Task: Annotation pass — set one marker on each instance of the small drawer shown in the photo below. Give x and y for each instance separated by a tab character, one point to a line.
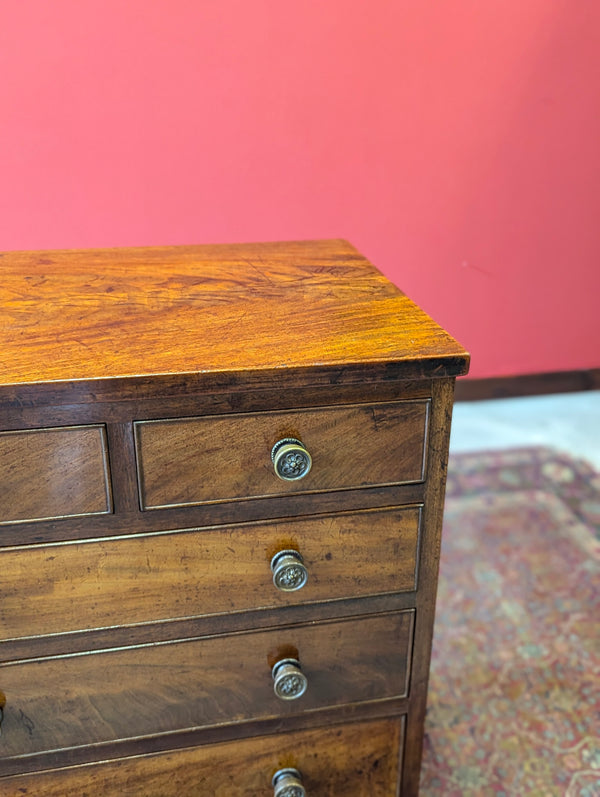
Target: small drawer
184	462
79	700
54	588
359	759
54	473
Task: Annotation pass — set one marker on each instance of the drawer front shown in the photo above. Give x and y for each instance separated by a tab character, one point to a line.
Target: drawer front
210	459
359	759
54	473
78	700
62	587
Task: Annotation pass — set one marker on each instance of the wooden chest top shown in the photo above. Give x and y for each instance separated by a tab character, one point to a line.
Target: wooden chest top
164	312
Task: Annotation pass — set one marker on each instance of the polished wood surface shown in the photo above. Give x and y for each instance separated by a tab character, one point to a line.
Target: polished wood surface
141	392
53	473
162	576
123	694
359	759
113	313
198	460
433	512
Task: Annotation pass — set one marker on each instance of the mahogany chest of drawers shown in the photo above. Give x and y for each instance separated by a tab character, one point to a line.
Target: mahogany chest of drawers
222	474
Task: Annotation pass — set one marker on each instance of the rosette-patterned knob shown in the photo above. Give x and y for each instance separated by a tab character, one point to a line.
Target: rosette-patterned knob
290	459
289	681
289	572
288	783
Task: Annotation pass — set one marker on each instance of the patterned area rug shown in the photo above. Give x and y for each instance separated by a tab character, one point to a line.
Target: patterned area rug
514	701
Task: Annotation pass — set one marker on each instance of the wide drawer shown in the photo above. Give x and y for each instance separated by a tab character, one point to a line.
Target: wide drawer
47	589
54	473
360	759
78	700
189	461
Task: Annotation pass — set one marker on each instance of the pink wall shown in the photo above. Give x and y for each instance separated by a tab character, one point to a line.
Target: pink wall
455	142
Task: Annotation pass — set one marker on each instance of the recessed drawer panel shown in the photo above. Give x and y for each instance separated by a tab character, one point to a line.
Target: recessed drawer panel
77	700
54	473
47	589
198	460
359	759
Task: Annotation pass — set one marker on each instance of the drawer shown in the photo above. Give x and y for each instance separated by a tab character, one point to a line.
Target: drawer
191	461
54	473
359	759
53	588
78	700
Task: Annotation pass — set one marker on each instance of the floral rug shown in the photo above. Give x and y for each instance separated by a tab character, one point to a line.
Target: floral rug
514	700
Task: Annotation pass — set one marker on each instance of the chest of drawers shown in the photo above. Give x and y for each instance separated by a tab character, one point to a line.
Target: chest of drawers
222	474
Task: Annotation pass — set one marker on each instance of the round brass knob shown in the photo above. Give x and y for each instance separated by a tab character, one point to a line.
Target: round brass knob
289	681
288	783
289	572
290	459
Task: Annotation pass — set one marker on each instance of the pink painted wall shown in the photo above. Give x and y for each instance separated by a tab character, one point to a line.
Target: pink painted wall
455	142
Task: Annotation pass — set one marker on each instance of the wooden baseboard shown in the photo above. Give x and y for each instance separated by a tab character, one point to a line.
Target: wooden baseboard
527	385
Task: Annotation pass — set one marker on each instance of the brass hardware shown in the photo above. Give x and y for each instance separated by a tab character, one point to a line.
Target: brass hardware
289	572
290	459
289	681
288	783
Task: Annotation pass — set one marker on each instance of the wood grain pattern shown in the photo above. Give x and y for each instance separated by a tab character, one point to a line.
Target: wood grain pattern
204	515
25	406
429	561
50	589
130	313
359	759
52	473
26	648
196	460
130	637
79	700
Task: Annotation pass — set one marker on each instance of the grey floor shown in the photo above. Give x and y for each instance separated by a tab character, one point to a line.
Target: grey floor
569	422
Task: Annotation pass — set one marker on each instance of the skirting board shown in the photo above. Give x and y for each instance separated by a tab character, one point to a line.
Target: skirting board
527	385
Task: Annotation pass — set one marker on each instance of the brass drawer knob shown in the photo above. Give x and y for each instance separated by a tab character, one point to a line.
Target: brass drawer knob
290	459
289	572
289	681
288	783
